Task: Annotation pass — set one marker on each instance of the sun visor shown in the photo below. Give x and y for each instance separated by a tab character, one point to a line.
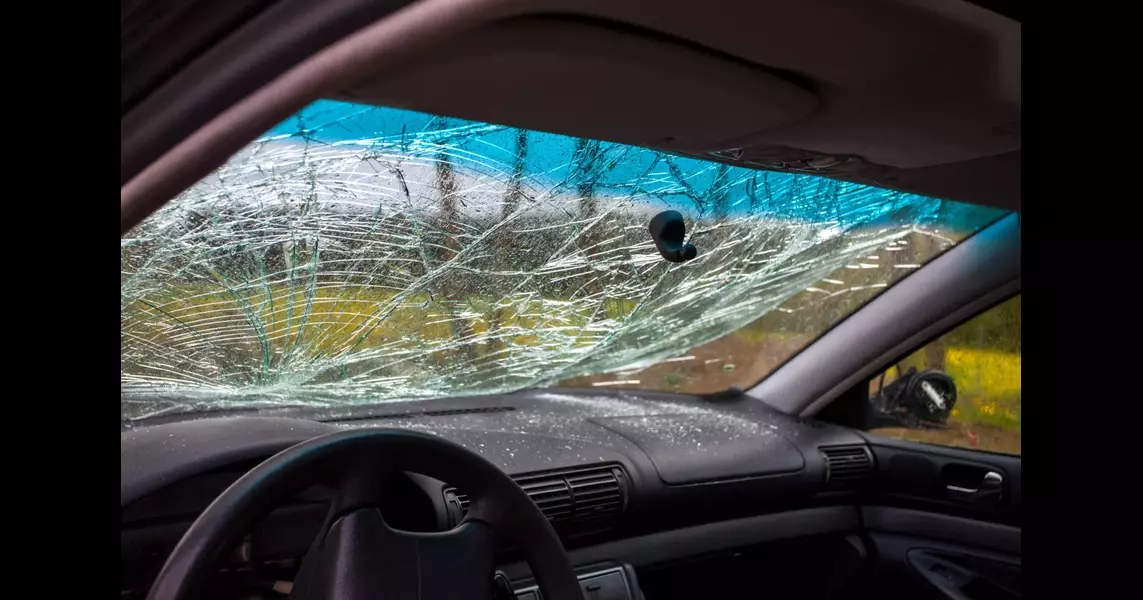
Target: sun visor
624	86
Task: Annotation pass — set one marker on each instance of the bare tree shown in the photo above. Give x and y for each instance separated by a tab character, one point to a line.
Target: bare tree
586	166
502	246
719	194
453	289
514	192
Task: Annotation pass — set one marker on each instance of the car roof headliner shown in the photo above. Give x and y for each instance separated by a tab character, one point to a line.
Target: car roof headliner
917	95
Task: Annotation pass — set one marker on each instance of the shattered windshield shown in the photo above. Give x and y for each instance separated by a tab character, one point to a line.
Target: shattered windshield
357	254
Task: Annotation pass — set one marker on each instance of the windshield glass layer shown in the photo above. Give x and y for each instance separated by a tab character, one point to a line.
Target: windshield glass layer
356	254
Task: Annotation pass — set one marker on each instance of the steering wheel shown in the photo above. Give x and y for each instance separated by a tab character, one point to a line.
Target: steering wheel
356	556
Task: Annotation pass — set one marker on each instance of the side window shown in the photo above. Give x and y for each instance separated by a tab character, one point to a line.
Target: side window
962	389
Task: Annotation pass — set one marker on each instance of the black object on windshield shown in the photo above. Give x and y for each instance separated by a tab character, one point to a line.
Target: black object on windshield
669	231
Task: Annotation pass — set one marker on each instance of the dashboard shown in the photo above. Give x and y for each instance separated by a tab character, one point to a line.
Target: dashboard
631	481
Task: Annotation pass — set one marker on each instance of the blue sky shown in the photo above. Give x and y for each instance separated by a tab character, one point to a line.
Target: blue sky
551	162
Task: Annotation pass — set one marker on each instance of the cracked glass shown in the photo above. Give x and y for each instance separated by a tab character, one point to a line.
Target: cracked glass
356	255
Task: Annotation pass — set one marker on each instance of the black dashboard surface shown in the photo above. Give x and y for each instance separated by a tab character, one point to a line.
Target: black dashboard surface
686	462
708	446
663	440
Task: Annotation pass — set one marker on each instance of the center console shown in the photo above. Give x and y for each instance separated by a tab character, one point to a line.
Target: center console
612	581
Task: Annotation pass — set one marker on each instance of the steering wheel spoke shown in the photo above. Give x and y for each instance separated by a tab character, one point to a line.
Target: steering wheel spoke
362	558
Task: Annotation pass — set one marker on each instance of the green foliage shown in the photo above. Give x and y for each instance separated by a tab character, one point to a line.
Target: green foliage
996	329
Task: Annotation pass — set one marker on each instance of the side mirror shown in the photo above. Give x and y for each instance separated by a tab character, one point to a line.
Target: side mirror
916	399
931	396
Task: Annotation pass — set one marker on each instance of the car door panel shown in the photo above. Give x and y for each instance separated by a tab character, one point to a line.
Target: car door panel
946	480
942	523
921	568
936	526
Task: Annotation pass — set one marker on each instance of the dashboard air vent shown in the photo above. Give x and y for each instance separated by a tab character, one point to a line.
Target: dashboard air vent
847	467
583	499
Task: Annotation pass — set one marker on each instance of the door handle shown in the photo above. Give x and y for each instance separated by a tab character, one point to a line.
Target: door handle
990	491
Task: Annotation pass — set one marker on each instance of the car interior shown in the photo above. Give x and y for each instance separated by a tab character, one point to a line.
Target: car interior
823	479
